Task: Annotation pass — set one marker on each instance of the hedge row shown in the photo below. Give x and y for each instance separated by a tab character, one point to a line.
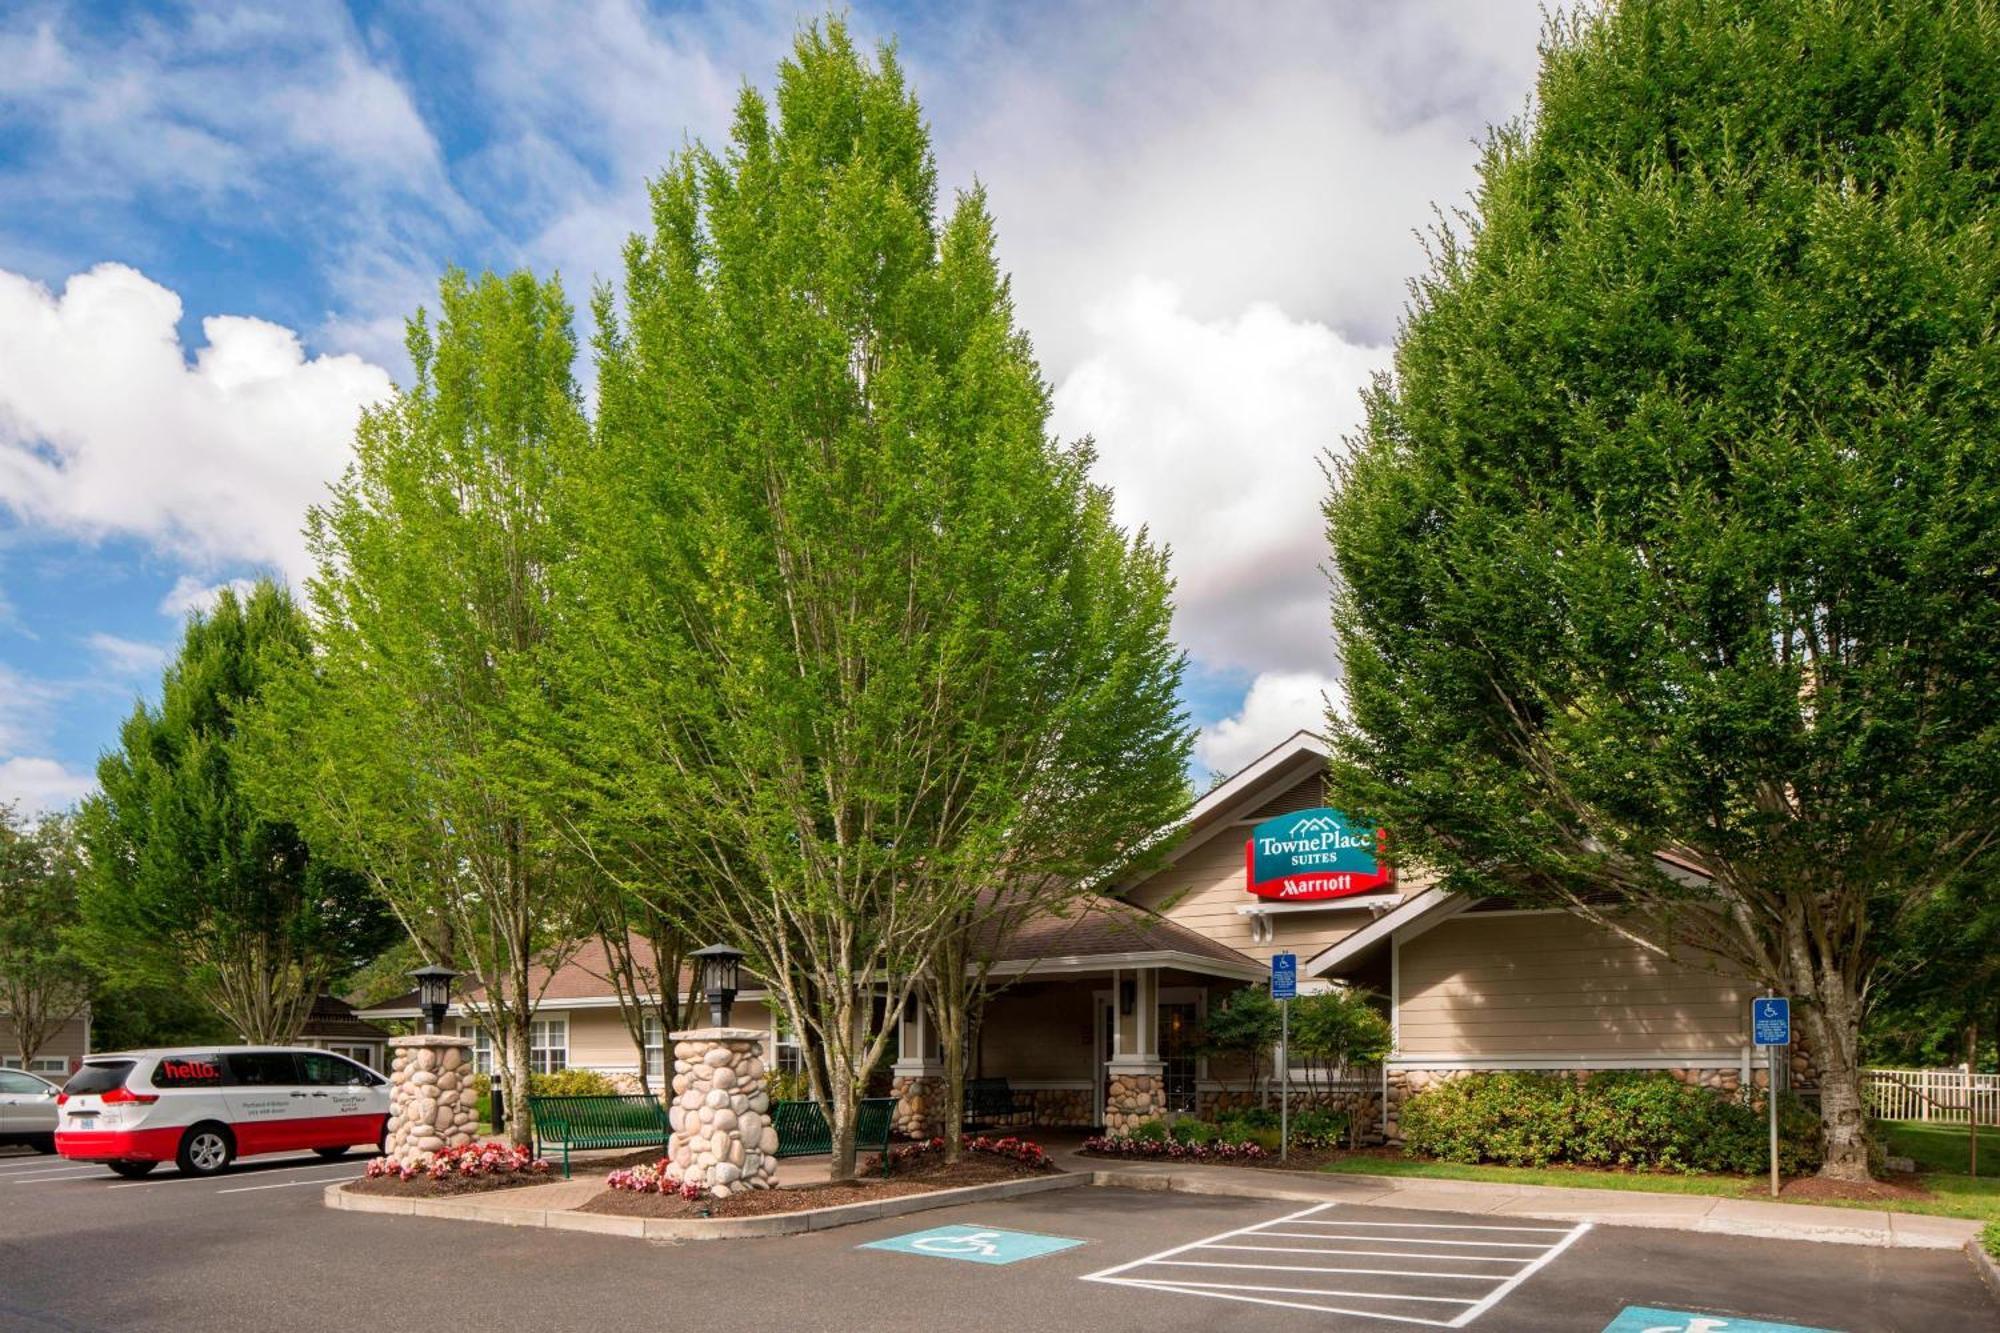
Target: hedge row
1648	1121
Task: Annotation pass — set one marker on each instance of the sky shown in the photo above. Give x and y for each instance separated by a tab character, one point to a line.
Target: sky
214	220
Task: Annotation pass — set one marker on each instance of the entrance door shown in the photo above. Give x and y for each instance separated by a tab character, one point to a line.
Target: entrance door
1178	1023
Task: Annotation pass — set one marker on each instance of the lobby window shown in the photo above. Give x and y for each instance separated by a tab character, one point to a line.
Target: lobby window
548	1045
656	1049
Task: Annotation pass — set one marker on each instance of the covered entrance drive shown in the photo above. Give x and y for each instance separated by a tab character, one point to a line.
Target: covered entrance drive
1093	1023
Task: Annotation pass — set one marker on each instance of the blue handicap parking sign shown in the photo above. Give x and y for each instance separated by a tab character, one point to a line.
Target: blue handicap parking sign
1771	1020
974	1244
1645	1319
1284	976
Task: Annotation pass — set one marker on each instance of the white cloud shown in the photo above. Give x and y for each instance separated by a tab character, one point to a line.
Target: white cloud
36	785
25	706
1210	432
192	594
1278	704
127	657
107	429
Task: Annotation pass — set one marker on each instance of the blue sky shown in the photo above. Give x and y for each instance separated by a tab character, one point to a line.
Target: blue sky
214	219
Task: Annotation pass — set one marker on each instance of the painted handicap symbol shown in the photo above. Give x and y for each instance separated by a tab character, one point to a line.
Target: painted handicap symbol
1646	1319
975	1244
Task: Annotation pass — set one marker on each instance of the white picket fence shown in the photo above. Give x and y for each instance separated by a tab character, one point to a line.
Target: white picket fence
1949	1095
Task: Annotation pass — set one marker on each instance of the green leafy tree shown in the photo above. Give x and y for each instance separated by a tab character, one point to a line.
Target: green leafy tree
399	739
43	982
191	881
1339	1029
854	638
1675	529
1243	1029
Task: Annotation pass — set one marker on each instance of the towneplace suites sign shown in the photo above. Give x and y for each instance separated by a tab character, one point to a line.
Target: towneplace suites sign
1311	855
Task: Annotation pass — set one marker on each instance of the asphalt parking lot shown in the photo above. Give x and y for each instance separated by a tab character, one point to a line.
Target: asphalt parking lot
81	1249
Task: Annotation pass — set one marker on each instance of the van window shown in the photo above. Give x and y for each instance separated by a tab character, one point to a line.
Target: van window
330	1071
188	1071
98	1077
263	1069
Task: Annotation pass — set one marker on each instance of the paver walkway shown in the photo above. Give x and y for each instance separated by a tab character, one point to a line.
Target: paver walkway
1680	1212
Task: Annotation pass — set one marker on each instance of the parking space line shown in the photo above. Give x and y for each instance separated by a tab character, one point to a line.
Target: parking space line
1382	1254
1302	1268
287	1184
58	1173
269	1169
1392	1241
1408	1240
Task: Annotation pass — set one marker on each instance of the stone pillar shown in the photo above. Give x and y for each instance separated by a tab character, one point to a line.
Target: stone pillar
432	1105
1134	1090
722	1136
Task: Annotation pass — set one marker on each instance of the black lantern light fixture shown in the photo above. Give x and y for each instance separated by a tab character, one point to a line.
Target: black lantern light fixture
716	968
434	994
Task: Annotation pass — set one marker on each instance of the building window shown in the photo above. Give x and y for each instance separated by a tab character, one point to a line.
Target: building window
41	1064
791	1056
482	1047
548	1045
656	1049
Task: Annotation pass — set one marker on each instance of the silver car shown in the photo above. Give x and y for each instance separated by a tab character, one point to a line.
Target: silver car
27	1110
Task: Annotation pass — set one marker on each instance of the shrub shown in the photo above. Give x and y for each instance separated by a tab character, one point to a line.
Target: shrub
1319	1129
1190	1130
571	1083
1256	1117
788	1085
1643	1121
1989	1236
1151	1131
1025	1151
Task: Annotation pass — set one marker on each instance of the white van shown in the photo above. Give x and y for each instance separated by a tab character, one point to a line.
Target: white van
202	1107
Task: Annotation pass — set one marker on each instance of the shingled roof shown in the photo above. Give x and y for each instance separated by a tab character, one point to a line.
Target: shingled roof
333	1018
1100	927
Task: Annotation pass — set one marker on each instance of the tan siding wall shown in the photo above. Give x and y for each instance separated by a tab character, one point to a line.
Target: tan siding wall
67	1042
598	1038
1204	889
1555	985
1040	1034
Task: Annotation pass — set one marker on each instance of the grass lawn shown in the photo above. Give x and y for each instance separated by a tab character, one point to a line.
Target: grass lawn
1933	1146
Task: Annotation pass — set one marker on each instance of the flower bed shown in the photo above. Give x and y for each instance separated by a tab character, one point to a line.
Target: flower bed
1172	1150
462	1170
1012	1149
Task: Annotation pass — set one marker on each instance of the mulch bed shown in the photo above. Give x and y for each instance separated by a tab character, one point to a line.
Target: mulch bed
1301	1159
423	1187
1896	1188
919	1177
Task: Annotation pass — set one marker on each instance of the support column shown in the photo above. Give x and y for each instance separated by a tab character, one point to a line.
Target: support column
432	1105
917	1079
1135	1077
722	1136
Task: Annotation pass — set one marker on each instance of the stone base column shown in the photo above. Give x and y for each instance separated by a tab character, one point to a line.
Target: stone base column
1134	1091
722	1137
432	1105
919	1089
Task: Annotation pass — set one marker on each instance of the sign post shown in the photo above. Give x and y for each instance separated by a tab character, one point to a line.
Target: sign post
1771	1028
1284	985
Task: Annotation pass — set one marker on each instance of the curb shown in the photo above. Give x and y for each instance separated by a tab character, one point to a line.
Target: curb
692	1228
1983	1264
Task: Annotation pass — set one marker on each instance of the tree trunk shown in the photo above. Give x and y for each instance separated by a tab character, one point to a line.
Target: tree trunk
846	1109
514	1069
1835	1023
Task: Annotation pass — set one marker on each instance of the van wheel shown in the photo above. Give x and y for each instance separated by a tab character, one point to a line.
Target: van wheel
205	1150
331	1153
131	1170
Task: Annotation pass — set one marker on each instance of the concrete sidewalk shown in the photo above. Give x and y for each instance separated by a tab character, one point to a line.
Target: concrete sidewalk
1629	1208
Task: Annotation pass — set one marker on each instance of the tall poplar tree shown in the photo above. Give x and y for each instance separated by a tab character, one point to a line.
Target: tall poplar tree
851	637
43	981
1677	527
192	881
398	738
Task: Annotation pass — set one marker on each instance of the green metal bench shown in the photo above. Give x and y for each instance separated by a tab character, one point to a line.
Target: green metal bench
990	1099
805	1130
631	1120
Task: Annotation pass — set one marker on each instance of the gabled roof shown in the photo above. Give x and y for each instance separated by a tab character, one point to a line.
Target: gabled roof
333	1017
1102	932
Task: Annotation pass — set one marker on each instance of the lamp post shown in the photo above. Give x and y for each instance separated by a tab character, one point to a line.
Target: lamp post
717	967
433	994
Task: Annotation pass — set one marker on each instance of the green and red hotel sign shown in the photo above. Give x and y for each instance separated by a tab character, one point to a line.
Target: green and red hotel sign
1313	855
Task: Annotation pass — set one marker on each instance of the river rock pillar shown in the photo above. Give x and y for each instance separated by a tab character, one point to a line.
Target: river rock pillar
723	1138
432	1103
